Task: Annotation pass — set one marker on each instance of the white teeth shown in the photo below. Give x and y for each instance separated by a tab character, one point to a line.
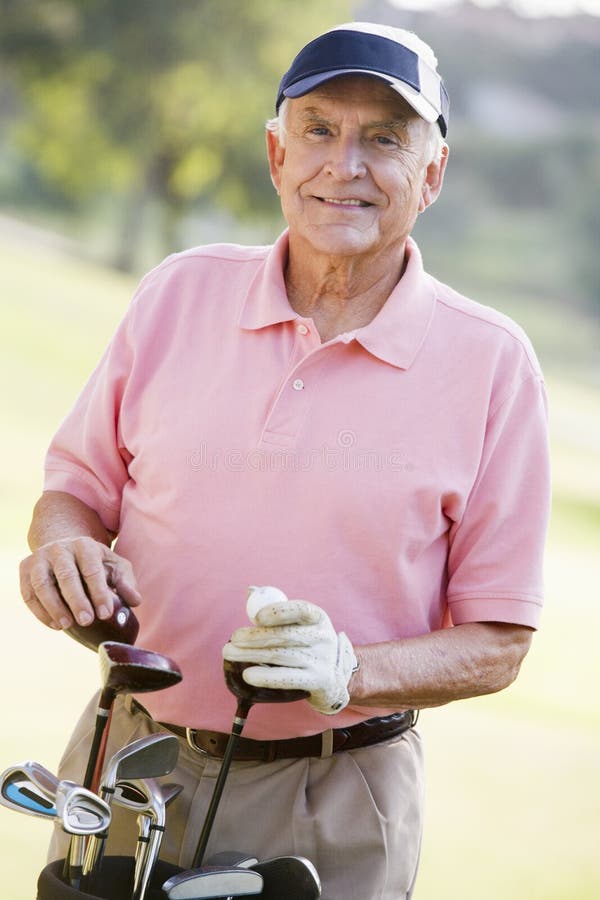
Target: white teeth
343	202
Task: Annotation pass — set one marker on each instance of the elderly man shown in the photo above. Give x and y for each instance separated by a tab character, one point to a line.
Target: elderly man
324	416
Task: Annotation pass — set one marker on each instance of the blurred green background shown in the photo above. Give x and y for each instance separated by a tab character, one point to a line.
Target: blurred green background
132	129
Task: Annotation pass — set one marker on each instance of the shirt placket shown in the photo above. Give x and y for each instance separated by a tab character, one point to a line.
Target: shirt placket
297	391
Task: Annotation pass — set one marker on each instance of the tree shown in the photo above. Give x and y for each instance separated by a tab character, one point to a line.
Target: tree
153	99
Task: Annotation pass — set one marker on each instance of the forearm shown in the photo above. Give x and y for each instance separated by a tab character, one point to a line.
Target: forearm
433	669
58	515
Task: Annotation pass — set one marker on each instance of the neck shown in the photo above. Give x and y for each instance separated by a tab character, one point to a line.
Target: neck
340	293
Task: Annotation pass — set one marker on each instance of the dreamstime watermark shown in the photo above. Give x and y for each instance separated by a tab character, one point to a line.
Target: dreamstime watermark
345	456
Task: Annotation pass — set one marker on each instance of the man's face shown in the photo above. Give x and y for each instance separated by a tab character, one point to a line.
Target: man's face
352	173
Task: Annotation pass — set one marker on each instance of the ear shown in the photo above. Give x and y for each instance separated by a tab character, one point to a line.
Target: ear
434	178
276	156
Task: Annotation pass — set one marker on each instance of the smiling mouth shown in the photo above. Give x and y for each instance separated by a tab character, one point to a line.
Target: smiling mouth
350	202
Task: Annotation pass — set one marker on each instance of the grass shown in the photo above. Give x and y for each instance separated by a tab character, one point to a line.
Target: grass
513	798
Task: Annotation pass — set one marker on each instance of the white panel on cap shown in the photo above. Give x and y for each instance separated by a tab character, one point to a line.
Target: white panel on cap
399	35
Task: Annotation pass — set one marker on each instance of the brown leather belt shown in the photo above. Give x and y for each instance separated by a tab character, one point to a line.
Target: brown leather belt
371	731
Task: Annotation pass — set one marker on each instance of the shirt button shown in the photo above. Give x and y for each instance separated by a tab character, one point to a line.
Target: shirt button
302	329
298	384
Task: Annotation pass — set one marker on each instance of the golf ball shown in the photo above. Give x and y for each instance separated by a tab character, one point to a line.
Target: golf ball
263	596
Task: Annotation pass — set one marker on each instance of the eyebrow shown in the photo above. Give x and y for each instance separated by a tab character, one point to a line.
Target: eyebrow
314	114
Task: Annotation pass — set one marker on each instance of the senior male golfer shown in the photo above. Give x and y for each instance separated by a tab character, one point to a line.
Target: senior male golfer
323	416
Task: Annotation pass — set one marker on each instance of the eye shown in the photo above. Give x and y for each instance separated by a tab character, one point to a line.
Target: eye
385	140
319	130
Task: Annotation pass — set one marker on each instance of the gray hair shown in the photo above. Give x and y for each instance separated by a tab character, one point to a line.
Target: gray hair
435	141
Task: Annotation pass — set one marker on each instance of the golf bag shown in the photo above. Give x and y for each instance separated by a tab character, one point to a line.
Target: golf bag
115	881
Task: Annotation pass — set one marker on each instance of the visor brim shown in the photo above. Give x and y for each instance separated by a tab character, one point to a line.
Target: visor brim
415	99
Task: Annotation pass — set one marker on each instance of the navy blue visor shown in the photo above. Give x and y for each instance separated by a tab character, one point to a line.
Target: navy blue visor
342	52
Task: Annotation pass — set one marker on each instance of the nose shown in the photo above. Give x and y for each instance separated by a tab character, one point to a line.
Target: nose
345	160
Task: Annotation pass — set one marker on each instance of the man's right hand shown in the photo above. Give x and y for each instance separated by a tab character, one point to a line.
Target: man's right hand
75	579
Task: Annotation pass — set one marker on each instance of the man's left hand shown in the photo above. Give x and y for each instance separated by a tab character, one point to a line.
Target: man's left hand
295	646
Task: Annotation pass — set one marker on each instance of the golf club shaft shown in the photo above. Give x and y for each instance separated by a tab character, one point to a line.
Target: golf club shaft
236	729
141	849
72	870
151	856
101	754
102	718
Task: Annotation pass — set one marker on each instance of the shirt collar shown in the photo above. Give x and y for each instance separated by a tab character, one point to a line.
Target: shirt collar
398	330
266	302
396	333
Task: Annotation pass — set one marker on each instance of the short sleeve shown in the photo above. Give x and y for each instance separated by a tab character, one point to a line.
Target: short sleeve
496	550
87	456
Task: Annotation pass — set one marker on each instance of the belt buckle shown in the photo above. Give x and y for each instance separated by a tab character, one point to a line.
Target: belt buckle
189	732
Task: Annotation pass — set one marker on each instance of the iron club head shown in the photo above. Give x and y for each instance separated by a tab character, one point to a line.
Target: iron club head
19	792
148	757
291	876
211	882
81	811
38	774
150	799
232	859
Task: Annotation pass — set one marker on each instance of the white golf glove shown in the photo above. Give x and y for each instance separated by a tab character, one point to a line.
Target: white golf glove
295	647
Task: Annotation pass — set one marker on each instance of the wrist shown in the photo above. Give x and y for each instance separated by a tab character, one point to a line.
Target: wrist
356	681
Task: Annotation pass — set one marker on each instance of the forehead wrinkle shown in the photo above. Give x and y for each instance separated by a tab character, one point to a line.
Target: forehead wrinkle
314	114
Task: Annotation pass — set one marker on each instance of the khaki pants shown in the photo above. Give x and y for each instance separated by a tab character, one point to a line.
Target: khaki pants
357	815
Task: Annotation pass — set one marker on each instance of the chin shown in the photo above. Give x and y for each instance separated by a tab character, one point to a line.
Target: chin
340	241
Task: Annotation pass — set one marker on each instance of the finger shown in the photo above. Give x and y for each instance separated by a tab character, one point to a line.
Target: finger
282	636
69	581
280	678
121	578
89	559
41	593
279	656
294	612
32	602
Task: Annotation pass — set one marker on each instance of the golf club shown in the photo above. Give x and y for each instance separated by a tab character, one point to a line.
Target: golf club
39	775
213	882
122	625
232	859
134	798
158	798
18	792
149	799
125	669
247	696
148	757
292	877
81	811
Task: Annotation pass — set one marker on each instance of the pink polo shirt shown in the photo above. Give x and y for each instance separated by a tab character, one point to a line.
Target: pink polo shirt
397	475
